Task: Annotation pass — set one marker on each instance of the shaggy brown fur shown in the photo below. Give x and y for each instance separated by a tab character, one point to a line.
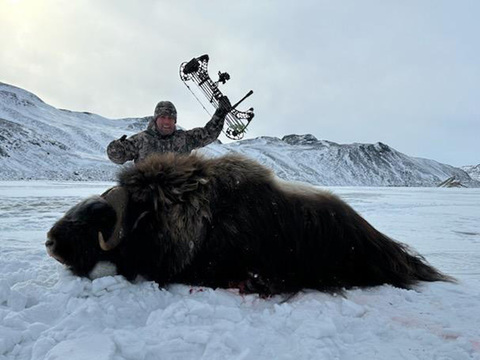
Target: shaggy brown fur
228	222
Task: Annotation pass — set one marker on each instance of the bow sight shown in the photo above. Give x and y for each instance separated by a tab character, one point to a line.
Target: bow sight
196	70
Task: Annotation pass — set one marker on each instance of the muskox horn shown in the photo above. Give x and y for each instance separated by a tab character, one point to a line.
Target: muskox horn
117	198
108	245
102	242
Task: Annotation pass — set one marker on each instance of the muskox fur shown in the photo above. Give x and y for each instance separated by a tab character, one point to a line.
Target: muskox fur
228	222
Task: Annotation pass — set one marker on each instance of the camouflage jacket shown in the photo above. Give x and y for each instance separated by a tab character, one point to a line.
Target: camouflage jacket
137	147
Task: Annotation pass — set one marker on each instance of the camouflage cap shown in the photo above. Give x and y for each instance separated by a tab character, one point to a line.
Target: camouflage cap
165	108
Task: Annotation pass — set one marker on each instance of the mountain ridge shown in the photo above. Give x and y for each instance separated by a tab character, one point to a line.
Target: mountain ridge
39	141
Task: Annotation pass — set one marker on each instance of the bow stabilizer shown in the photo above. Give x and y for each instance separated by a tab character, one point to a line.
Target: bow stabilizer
196	71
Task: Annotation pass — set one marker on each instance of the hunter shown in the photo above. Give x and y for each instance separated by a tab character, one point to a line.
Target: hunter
163	136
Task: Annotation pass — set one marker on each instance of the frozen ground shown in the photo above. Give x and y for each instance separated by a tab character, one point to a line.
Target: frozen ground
46	313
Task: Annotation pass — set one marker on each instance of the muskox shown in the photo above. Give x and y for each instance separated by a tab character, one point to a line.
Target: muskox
228	222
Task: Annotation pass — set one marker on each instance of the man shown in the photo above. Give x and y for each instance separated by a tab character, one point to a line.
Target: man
162	135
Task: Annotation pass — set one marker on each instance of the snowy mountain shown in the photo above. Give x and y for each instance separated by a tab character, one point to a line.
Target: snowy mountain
320	162
473	171
39	141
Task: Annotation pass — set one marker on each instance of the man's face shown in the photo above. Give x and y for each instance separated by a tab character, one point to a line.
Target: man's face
165	125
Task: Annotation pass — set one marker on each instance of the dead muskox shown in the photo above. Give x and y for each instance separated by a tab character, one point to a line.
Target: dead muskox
227	222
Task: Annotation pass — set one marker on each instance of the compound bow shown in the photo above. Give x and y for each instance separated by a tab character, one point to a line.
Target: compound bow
196	70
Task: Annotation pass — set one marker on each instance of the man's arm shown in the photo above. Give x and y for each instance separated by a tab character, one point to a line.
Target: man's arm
122	150
200	137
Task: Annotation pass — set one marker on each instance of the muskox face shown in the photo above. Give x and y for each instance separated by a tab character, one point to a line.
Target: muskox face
74	239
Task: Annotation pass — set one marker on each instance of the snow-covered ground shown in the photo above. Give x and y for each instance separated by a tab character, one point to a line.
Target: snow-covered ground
46	313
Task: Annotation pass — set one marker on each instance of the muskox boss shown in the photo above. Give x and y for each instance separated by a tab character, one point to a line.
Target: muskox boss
228	222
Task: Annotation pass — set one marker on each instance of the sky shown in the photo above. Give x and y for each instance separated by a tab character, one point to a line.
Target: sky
405	73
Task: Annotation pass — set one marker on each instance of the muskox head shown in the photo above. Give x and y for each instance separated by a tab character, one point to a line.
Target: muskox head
90	229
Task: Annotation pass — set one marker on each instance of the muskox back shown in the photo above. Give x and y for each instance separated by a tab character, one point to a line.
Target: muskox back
228	222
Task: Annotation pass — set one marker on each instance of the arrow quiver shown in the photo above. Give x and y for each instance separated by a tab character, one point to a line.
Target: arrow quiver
196	71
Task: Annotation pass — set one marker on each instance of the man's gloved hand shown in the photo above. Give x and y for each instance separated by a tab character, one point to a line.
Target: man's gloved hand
224	106
121	150
126	144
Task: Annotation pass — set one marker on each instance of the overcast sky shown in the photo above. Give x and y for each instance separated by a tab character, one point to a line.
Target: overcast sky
403	72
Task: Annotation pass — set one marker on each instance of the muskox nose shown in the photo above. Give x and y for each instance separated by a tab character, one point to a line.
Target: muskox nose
50	245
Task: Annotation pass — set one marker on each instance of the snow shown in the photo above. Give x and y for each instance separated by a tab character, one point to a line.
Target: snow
47	313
